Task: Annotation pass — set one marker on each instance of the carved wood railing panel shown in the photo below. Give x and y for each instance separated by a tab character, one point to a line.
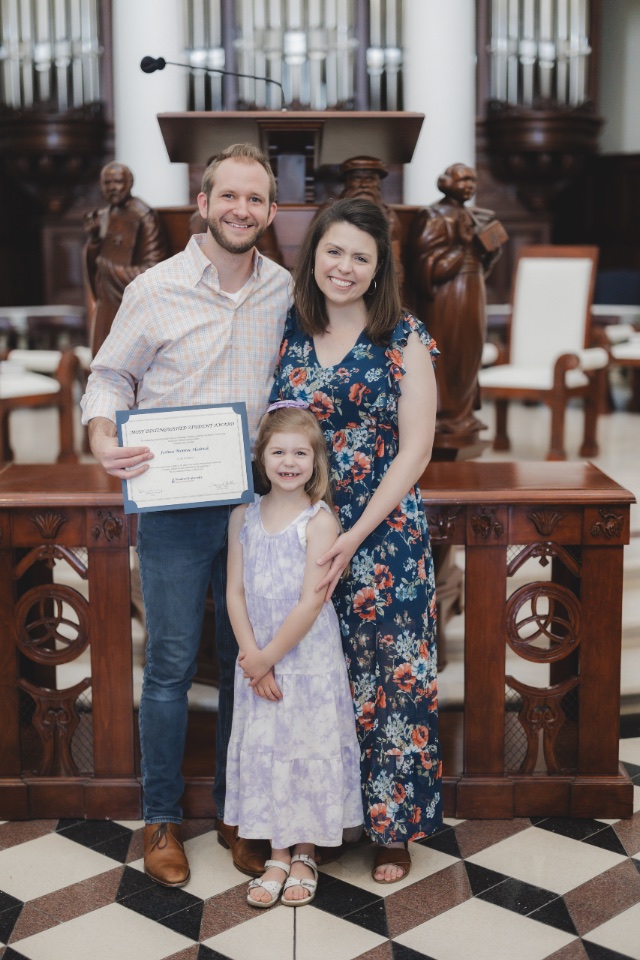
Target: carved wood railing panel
543	580
70	745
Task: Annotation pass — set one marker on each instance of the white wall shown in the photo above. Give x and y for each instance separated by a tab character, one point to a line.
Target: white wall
148	28
439	81
619	81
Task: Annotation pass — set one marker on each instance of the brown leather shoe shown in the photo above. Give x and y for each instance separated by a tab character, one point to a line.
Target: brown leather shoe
248	855
164	856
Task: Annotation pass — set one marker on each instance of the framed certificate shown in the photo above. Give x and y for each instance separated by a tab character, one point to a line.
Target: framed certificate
201	457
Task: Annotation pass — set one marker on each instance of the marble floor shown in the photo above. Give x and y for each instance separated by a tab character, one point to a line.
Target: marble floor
526	889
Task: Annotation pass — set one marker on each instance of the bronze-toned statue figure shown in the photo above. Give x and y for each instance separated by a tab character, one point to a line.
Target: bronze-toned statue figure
452	249
125	238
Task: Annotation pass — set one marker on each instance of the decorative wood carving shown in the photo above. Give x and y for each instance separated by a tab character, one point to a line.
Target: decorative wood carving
51	154
539	149
553	620
108	526
124	239
43	633
609	526
543	551
484	523
545	520
477	783
451	248
541	710
442	524
49	553
55	720
48	524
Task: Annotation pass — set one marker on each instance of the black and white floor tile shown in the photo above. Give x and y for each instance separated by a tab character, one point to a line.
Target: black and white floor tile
525	889
541	889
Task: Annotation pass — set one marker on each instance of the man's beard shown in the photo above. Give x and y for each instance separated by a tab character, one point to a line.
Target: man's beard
241	245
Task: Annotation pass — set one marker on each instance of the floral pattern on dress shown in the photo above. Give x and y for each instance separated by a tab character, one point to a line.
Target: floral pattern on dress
386	607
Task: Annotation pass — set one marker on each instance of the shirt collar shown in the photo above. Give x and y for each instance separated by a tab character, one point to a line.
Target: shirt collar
200	261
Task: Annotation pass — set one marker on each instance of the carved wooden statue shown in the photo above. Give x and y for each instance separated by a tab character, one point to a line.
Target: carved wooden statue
125	238
452	249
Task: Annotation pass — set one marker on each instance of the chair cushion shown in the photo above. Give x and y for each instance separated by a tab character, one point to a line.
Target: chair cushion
627	351
510	376
14	384
39	361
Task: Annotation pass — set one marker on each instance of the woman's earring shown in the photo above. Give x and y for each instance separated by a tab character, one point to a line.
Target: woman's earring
311	271
370	292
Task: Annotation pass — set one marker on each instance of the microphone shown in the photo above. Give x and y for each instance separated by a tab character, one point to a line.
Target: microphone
151	64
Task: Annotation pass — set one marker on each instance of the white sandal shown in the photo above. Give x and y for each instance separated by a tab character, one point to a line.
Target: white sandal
309	885
273	888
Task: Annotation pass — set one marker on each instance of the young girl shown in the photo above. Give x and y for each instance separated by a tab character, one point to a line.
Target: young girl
293	762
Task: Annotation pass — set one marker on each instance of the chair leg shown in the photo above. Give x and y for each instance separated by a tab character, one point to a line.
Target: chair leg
634	403
556	448
501	439
5	451
67	448
592	406
66	374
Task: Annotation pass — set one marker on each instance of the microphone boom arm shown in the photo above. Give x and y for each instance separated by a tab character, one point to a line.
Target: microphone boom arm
151	64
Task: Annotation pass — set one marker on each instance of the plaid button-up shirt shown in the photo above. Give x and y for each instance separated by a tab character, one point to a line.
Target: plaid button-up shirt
178	340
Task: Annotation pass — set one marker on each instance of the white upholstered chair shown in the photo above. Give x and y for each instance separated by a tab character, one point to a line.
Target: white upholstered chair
549	355
40	378
624	349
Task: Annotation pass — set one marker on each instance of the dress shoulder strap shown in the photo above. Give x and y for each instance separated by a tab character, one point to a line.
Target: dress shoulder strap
250	515
309	514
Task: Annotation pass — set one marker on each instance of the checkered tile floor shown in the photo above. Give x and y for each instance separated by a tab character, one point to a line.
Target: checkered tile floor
523	889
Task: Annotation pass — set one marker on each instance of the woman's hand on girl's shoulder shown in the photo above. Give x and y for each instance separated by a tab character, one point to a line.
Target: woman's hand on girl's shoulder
322	534
338	556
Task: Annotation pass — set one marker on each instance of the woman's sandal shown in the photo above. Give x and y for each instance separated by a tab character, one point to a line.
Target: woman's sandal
391	856
273	888
309	885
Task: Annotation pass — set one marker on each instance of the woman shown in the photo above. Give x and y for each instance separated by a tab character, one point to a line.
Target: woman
366	369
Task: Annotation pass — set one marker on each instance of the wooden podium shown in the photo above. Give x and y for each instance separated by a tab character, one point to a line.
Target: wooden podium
335	135
297	142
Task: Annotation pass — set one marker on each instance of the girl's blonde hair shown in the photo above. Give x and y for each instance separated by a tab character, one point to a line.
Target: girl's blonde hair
292	420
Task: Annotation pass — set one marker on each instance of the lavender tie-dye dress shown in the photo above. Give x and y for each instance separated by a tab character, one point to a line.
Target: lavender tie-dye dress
293	767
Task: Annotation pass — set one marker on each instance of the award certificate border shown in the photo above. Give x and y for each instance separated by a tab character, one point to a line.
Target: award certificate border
239	408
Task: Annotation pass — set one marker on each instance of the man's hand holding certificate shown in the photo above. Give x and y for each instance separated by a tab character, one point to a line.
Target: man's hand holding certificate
200	457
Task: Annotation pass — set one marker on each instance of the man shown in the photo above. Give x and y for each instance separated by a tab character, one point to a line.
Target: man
124	239
453	248
202	327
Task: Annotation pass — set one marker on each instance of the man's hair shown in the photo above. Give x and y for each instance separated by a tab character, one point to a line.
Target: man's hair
382	299
246	153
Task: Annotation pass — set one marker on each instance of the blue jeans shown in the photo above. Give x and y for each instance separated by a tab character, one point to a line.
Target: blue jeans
181	552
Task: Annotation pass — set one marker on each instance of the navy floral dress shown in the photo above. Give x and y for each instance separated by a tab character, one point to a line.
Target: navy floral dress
386	607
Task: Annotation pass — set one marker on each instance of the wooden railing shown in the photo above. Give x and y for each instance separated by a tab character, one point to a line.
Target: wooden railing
515	750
